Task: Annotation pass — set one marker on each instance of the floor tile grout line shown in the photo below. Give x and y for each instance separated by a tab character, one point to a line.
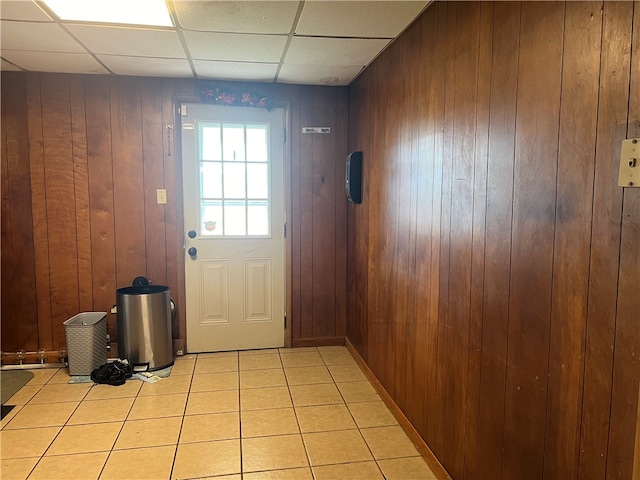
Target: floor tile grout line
348	410
240	420
240	410
119	432
126	417
295	413
356	423
61	427
184	413
54	438
66	424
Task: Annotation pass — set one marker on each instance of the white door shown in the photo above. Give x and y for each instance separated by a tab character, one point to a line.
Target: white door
233	174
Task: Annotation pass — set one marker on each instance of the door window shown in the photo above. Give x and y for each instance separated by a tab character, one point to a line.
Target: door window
234	179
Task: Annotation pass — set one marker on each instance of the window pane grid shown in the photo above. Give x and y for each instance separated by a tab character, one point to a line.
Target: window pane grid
234	179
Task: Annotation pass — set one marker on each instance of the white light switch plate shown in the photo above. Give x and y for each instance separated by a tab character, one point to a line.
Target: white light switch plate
630	163
161	193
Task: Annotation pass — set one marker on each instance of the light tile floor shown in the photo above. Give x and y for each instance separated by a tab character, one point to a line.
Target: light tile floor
279	414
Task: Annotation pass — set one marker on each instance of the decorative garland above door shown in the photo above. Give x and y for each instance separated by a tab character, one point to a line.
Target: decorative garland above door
211	92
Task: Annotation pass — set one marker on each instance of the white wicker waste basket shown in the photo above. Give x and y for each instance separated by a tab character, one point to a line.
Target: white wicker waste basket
86	342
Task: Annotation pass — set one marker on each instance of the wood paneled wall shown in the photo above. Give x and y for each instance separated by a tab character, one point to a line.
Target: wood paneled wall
82	157
319	217
494	263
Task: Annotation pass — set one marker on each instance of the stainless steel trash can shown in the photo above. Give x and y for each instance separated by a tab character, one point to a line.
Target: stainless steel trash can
144	326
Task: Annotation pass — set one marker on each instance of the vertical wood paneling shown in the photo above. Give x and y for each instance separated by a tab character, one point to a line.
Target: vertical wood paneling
305	245
340	215
395	161
173	183
626	376
61	206
519	298
413	50
323	207
449	22
434	395
128	185
294	224
626	367
19	271
605	239
357	220
39	211
461	226
90	153
424	213
100	172
504	73
532	241
8	328
81	187
375	289
578	115
401	317
153	145
481	158
387	170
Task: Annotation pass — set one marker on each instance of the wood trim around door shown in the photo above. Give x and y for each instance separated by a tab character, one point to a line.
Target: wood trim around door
288	239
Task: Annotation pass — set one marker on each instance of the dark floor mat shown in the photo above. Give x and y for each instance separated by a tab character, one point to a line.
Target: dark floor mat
6	409
11	381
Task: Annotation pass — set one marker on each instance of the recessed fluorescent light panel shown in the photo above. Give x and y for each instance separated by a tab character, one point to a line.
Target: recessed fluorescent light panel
130	12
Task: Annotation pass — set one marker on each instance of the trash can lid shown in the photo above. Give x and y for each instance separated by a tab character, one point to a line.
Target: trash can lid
142	290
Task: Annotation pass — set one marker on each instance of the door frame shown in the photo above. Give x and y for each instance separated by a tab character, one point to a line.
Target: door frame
179	343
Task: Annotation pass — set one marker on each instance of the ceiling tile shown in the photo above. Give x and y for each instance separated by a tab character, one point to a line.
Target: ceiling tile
231	40
258	72
240	16
22	10
8	67
317	74
235	47
41	37
54	62
378	19
147	66
333	51
129	41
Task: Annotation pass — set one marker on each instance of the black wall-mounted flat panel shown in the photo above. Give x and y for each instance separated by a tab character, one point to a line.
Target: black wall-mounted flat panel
353	177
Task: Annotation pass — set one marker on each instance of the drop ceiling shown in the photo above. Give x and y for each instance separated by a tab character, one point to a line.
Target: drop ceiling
303	42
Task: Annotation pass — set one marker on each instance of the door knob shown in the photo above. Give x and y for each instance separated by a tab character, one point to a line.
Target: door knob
192	234
193	251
